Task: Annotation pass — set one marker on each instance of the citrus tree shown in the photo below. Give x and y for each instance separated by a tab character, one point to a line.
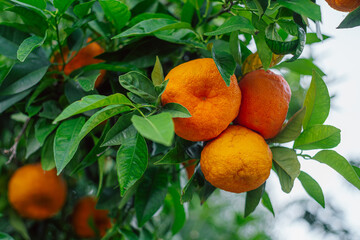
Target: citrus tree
103	103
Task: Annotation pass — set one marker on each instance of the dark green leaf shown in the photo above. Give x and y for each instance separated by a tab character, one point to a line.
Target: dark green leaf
157	75
50	110
317	102
318	137
235	47
116	11
357	170
140	85
261	5
42	86
301	44
62	5
10	40
28	45
131	162
36	3
83	9
174	156
339	164
32	144
151	194
4	71
235	23
351	20
267	203
144	16
181	36
4	236
158	128
120	131
303	7
6	102
19	225
43	128
224	62
179	211
87	80
252	199
263	50
176	110
47	154
312	188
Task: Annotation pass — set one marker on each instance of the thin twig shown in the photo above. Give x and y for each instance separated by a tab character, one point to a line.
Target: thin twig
13	148
224	10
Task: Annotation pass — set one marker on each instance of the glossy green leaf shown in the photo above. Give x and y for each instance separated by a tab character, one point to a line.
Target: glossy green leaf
151	194
302	66
267	202
91	102
339	164
301	44
43	129
179	211
28	45
47	154
121	130
253	198
24	83
131	162
157	75
181	36
261	6
235	23
318	137
140	85
87	80
65	143
351	20
6	101
313	38
312	188
174	156
150	26
83	9
62	5
303	7
224	62
263	50
317	102
235	47
10	40
116	11
158	128
286	165
292	129
176	110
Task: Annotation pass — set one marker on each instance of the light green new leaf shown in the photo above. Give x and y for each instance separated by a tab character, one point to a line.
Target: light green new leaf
131	162
28	45
318	137
157	75
312	188
267	203
235	23
91	102
253	198
158	128
339	164
62	5
116	11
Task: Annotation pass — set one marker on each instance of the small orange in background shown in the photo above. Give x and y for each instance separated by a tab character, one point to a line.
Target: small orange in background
85	56
35	193
238	160
265	102
344	5
198	86
190	167
85	213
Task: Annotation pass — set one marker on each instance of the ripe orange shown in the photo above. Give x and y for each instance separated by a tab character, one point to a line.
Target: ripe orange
85	213
83	58
238	160
344	5
35	193
198	86
265	102
190	167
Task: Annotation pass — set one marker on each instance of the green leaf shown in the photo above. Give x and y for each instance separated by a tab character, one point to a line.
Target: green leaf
91	102
317	102
24	83
47	154
144	16
286	165
62	5
151	194
312	188
318	137
4	71
158	128
351	20
176	110
302	66
313	38
303	7
267	203
50	110
292	129
235	47
263	50
116	11
157	75
235	23
10	40
42	86
179	211
6	102
140	85
174	156
65	143
87	80
43	128
83	9
224	62
301	44
181	36
36	3
120	131
357	170
4	236
32	144
150	26
28	45
339	164
252	199
18	224
131	162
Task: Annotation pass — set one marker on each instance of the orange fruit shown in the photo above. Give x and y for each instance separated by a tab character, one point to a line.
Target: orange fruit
265	102
85	213
35	193
83	58
198	86
190	167
344	5
238	160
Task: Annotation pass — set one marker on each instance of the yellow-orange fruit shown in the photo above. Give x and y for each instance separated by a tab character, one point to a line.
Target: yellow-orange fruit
344	5
239	160
265	102
85	213
35	193
198	86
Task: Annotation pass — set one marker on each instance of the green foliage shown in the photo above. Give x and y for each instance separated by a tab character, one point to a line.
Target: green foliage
117	140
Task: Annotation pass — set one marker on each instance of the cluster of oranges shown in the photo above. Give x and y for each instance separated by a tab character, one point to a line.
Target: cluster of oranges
237	157
38	194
